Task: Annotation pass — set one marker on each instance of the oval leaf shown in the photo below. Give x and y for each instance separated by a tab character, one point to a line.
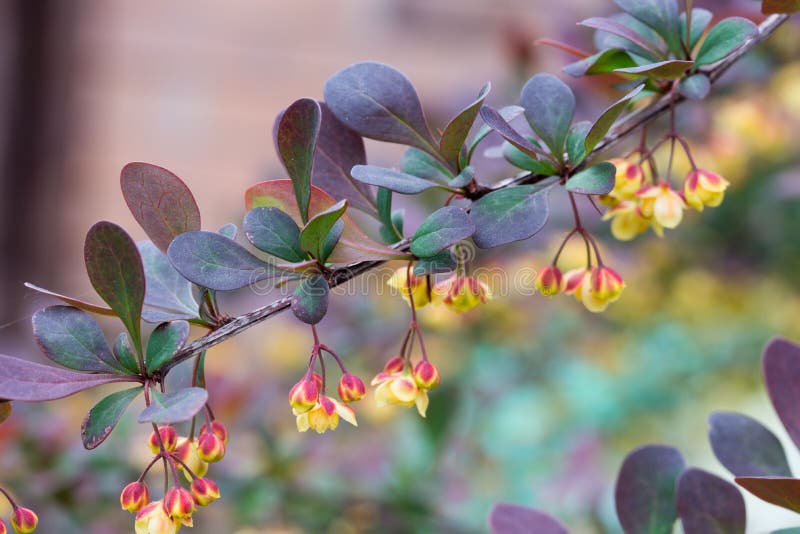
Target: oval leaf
124	352
515	519
165	341
507	113
421	164
781	365
709	504
160	202
456	131
667	70
600	63
443	228
496	122
216	262
728	35
746	447
695	87
101	420
780	491
549	107
645	489
175	407
72	338
80	304
116	272
509	214
168	296
298	129
33	382
379	102
310	300
606	120
315	233
274	232
660	15
618	28
595	180
700	20
396	181
576	142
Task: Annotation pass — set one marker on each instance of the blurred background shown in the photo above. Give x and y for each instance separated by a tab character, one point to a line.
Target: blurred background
540	399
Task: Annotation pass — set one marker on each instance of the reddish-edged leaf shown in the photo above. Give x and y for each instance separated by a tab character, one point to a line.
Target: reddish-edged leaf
668	70
77	303
116	272
645	489
781	364
298	129
708	504
781	491
745	446
160	202
22	380
515	519
456	131
101	420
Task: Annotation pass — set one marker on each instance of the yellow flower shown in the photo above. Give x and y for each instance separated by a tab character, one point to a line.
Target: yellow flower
704	188
627	220
400	388
663	205
325	415
153	519
188	454
595	288
419	289
462	293
627	181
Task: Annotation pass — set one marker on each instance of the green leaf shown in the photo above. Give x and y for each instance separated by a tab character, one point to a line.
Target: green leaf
443	228
229	230
549	107
396	181
165	341
600	63
728	35
770	7
115	270
576	140
310	300
175	407
274	232
298	129
168	295
455	133
667	70
216	262
72	338
700	20
312	237
595	180
520	159
101	420
418	163
331	240
508	114
606	120
389	232
160	202
463	179
510	214
660	15
124	352
442	262
695	87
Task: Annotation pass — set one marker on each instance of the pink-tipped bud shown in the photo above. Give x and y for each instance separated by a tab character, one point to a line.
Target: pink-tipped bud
218	429
169	437
210	448
134	496
395	365
3	527
303	395
24	520
550	281
204	491
186	452
426	375
351	388
178	503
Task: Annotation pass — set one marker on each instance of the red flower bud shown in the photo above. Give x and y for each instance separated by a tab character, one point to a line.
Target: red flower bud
204	491
24	520
426	375
351	388
134	496
218	429
550	281
210	448
395	365
303	395
3	527
178	503
168	436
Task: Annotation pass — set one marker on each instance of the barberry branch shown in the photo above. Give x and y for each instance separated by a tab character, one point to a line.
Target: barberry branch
630	124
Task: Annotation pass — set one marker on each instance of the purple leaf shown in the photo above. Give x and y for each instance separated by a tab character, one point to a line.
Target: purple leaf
781	365
456	131
645	489
22	380
310	299
81	304
549	108
619	29
708	504
509	214
160	202
781	491
175	407
496	122
298	129
746	447
514	519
